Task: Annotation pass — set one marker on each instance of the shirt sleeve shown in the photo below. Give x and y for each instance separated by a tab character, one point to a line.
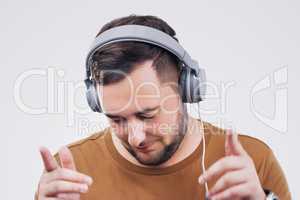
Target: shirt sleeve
273	177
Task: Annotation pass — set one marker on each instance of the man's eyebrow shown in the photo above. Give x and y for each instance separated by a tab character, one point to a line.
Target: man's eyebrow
136	113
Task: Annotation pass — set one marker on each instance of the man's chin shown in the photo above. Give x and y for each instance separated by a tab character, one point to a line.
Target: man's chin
153	158
156	156
150	158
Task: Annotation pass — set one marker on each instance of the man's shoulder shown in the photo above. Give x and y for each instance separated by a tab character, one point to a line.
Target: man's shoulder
254	143
88	144
97	136
255	147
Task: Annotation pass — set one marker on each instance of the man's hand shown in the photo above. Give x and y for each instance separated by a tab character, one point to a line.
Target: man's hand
61	182
236	174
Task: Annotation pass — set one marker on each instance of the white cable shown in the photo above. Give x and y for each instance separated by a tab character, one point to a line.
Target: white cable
203	149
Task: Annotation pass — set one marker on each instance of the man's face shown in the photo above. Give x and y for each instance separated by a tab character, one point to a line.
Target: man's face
147	116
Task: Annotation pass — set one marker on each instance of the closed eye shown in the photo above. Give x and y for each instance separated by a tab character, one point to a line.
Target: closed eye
118	120
146	117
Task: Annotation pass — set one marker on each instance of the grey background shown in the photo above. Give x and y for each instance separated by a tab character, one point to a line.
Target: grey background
237	41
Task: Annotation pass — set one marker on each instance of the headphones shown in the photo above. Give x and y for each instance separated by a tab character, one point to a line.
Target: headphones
192	78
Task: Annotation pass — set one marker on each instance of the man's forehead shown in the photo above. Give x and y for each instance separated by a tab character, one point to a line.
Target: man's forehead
137	91
125	106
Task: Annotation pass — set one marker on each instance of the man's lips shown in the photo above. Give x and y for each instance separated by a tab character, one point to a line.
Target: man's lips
145	148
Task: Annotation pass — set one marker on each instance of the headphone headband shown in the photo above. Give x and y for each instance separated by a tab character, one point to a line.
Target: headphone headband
145	34
192	78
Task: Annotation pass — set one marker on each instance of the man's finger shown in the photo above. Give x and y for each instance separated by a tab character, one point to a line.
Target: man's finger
228	180
67	175
229	144
49	161
56	187
232	144
66	196
234	192
66	158
228	163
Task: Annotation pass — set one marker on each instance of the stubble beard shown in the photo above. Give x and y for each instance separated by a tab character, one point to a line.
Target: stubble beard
168	150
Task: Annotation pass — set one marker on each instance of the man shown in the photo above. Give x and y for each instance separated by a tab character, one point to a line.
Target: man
153	149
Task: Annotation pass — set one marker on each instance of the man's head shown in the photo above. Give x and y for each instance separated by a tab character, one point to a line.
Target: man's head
139	93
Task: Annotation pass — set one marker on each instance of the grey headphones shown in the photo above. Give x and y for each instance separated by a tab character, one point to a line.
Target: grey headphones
192	77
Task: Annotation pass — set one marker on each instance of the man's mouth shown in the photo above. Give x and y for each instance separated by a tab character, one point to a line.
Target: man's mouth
145	148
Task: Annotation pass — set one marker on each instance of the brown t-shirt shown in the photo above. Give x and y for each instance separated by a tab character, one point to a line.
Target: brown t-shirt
116	178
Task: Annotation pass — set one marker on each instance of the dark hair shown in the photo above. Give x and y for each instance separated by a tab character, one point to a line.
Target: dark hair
123	56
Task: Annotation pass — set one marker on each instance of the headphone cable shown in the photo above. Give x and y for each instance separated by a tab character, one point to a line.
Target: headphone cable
203	149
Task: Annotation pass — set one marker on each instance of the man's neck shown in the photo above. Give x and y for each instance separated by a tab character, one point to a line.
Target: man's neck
189	143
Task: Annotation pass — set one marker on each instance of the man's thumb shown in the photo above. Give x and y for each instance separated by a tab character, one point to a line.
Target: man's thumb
229	144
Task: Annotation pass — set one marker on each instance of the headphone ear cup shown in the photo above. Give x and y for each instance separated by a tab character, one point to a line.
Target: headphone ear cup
91	96
183	86
200	84
192	90
195	83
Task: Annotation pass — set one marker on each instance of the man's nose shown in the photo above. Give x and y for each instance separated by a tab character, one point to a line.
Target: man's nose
136	135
